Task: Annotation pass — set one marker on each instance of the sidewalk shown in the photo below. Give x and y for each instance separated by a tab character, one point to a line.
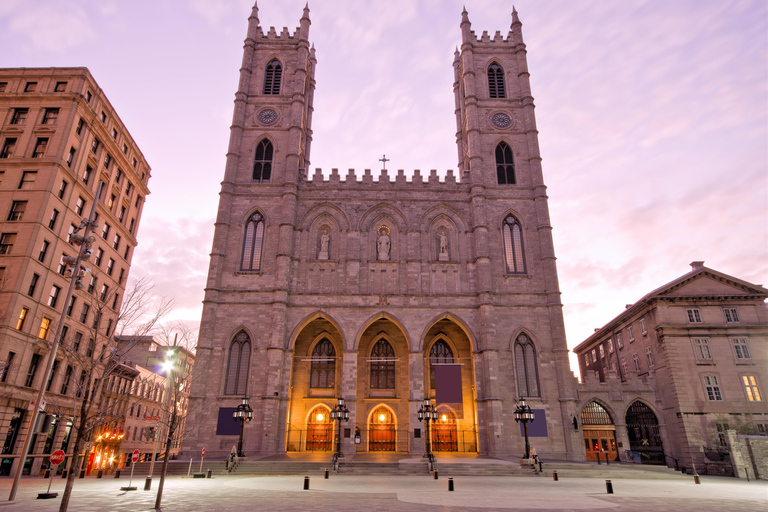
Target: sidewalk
397	493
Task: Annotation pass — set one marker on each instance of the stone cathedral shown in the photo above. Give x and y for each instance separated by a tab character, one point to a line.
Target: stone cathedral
345	286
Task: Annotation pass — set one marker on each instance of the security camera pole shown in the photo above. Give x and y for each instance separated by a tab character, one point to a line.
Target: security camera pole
83	254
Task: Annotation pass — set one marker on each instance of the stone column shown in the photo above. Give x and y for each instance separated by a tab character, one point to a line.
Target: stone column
349	392
418	391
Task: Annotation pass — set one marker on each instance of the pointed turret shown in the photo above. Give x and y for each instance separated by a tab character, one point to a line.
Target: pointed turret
466	27
515	19
253	22
305	22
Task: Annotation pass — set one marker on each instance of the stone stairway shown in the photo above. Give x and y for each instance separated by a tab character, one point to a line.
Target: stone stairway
383	468
613	470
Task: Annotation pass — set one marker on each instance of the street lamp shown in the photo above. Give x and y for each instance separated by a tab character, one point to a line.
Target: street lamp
340	412
243	413
524	413
427	413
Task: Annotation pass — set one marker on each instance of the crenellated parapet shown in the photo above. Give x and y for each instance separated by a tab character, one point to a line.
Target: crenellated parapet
353	179
284	35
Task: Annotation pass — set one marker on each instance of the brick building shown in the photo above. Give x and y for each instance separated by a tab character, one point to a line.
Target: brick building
321	287
59	138
700	344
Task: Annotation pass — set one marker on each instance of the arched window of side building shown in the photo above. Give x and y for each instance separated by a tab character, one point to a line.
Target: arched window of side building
323	371
272	77
513	246
505	165
252	243
496	81
526	368
262	162
239	361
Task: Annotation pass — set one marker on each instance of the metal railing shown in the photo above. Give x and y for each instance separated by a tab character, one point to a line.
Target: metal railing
396	440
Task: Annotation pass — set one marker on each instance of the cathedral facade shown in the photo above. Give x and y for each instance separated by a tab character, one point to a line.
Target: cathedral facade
345	286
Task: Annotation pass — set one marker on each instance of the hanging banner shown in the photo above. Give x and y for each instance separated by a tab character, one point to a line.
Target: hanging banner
448	387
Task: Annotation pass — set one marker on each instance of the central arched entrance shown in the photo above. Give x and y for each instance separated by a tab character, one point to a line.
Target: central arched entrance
444	435
599	432
319	430
644	435
381	428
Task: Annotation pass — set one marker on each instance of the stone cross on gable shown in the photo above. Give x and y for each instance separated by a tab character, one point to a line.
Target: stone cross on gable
384	161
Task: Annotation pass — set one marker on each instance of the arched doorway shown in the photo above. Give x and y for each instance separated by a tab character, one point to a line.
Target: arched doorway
444	437
599	432
319	430
643	432
381	430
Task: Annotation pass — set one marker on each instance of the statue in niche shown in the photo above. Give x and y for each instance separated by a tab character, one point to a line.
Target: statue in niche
325	240
443	254
383	244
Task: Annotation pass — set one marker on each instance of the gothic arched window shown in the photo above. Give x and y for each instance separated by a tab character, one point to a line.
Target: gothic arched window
272	77
262	163
239	361
525	366
496	81
505	165
254	239
323	372
513	246
439	353
382	366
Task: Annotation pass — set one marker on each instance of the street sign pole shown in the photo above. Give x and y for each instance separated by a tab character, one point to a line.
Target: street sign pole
134	460
56	458
201	461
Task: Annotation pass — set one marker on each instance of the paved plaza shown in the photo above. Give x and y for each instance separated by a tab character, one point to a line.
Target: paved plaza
398	493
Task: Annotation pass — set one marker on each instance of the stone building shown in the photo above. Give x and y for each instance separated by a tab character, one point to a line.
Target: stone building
59	138
366	289
700	345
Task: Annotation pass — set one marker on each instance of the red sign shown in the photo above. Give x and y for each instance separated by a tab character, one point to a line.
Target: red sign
57	457
135	456
203	452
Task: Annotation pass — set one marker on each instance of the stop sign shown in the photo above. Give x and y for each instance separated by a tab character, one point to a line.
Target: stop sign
57	457
203	452
135	456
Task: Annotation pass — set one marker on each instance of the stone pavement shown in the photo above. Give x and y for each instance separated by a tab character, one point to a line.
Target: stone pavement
397	493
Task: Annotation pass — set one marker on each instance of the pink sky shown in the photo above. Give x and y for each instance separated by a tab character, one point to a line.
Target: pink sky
653	120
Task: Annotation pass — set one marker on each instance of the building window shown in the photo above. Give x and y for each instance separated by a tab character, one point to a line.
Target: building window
110	266
496	81
60	87
741	348
50	116
17	210
8	146
87	174
105	231
121	216
43	251
54	216
262	163
127	252
7	367
254	238
33	284
731	315
624	365
721	428
513	246
382	366
505	165
19	115
239	361
71	305
6	242
95	146
92	285
65	382
40	146
526	367
125	149
630	334
761	429
701	347
121	276
440	353
22	318
114	133
323	367
80	205
643	329
116	242
694	316
99	256
104	293
84	313
55	291
80	125
636	361
619	340
27	179
107	160
30	87
3	86
103	117
610	346
71	156
712	387
63	188
602	352
649	357
750	386
77	342
32	370
272	77
45	326
586	359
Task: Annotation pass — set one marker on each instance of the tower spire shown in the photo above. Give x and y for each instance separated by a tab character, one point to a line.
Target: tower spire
515	19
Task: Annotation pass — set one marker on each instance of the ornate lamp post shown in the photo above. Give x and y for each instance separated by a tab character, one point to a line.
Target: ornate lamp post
524	413
427	413
243	413
340	412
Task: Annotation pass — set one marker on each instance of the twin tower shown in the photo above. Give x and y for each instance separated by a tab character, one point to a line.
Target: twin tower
321	288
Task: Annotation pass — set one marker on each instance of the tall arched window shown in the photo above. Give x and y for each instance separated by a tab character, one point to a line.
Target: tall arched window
272	77
239	361
323	372
513	246
439	353
254	238
525	365
505	165
496	81
262	163
382	366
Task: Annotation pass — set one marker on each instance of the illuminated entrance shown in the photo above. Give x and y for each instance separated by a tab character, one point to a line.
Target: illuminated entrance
319	430
444	438
599	432
381	430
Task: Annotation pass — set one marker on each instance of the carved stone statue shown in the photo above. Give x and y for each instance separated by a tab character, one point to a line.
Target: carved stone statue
325	240
383	245
443	255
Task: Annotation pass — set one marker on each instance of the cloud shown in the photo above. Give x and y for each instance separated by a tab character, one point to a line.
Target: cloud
50	26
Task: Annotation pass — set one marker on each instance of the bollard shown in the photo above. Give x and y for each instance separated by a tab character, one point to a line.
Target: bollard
100	473
696	478
598	458
64	473
208	473
117	473
450	484
47	473
82	473
540	470
608	487
306	483
554	476
327	473
746	472
435	473
607	459
148	483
